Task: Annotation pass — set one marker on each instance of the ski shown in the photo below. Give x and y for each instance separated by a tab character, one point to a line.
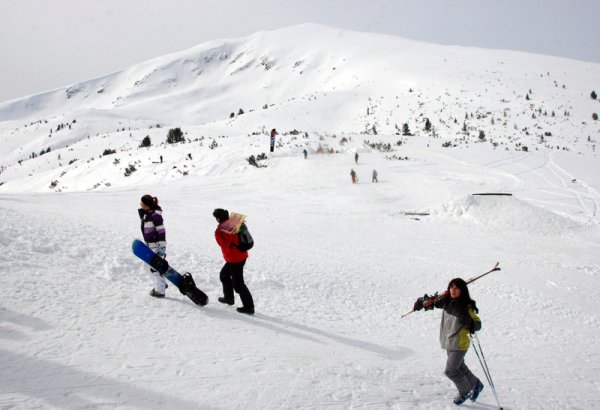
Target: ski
438	297
234	223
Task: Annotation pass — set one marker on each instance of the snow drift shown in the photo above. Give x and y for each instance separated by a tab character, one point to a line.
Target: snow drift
509	213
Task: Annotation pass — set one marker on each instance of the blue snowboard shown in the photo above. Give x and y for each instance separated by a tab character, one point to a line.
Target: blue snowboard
185	283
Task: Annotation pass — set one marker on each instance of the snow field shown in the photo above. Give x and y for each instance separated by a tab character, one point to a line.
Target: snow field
334	267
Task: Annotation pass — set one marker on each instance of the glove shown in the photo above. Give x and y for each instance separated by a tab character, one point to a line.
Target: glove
473	327
419	303
162	252
422	300
430	298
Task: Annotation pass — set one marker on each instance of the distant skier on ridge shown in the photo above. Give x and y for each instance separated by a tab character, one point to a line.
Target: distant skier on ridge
273	134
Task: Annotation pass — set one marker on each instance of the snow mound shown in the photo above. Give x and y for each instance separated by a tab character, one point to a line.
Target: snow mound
508	212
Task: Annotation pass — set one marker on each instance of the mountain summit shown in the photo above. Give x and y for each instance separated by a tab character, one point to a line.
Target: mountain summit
316	79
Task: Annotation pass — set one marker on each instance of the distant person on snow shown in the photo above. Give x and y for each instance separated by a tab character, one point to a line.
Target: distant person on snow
353	175
305	152
273	134
154	234
374	176
459	318
356	158
232	273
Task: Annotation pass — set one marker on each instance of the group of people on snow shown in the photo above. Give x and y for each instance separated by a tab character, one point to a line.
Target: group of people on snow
354	176
459	316
232	273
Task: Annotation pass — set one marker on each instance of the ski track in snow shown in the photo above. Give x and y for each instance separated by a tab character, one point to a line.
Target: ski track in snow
560	185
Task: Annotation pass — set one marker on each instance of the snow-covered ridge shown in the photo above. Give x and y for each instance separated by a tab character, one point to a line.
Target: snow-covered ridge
308	60
318	80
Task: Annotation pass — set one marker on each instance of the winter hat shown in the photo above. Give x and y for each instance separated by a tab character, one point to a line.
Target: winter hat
221	214
149	200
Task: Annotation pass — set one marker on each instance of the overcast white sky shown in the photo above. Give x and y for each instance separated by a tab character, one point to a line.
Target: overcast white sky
46	44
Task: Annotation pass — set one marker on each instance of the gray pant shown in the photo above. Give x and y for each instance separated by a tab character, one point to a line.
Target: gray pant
458	372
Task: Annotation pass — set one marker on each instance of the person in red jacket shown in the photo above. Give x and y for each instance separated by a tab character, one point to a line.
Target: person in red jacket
232	273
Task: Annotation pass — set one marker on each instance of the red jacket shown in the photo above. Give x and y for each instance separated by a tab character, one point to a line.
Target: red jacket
228	243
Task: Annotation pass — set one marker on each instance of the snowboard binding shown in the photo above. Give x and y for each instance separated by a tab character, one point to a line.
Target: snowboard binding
188	288
160	264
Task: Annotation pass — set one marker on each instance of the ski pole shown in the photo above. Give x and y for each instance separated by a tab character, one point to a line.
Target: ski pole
437	297
484	366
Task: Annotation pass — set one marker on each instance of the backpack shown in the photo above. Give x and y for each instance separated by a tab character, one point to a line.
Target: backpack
245	241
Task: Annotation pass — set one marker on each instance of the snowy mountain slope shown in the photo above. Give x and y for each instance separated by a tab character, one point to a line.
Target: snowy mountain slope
335	264
313	79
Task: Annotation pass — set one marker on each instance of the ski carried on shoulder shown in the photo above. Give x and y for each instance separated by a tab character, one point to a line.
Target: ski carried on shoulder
185	283
440	296
234	223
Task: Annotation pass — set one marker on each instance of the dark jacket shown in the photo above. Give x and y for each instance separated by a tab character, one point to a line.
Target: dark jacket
153	229
457	322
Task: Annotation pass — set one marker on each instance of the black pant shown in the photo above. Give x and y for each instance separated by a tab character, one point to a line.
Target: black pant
232	278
